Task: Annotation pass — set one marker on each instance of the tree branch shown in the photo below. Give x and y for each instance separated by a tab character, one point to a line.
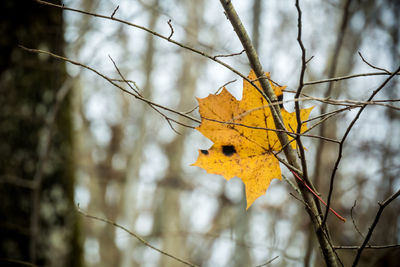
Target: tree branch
299	143
323	237
331	70
268	262
113	83
368	247
166	38
382	206
339	157
144	242
336	79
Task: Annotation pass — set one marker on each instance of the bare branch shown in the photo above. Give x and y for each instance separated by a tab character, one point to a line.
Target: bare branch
115	11
354	222
168	119
230	55
372	66
325	118
382	206
254	61
295	188
335	102
348	77
224	85
112	82
123	78
268	262
339	157
331	73
299	143
137	95
196	51
144	242
302	201
368	247
290	133
172	30
334	112
216	92
323	237
308	60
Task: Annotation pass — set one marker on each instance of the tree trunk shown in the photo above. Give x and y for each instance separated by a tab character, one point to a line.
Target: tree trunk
37	219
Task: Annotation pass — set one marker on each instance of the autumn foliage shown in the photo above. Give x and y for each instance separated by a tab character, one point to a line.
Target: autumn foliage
244	137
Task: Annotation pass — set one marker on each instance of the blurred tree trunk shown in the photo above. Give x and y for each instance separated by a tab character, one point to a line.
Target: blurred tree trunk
169	214
38	222
257	12
129	210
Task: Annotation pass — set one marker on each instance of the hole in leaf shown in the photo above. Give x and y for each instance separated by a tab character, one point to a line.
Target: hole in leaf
228	150
204	152
280	98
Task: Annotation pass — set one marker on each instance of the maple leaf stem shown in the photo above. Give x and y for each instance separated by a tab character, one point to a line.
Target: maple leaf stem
320	199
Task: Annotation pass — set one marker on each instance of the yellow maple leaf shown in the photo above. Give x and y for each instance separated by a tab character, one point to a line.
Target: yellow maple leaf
242	144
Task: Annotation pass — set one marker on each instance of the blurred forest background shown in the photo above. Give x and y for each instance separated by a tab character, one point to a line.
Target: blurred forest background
69	138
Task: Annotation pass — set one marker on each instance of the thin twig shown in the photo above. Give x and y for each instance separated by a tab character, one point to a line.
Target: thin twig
295	188
144	242
302	201
334	112
335	102
268	262
123	78
196	51
168	119
323	238
216	92
230	55
331	69
172	30
348	102
339	157
308	60
368	247
269	79
299	143
191	110
115	11
113	83
348	77
183	114
372	66
224	85
354	222
292	134
382	206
